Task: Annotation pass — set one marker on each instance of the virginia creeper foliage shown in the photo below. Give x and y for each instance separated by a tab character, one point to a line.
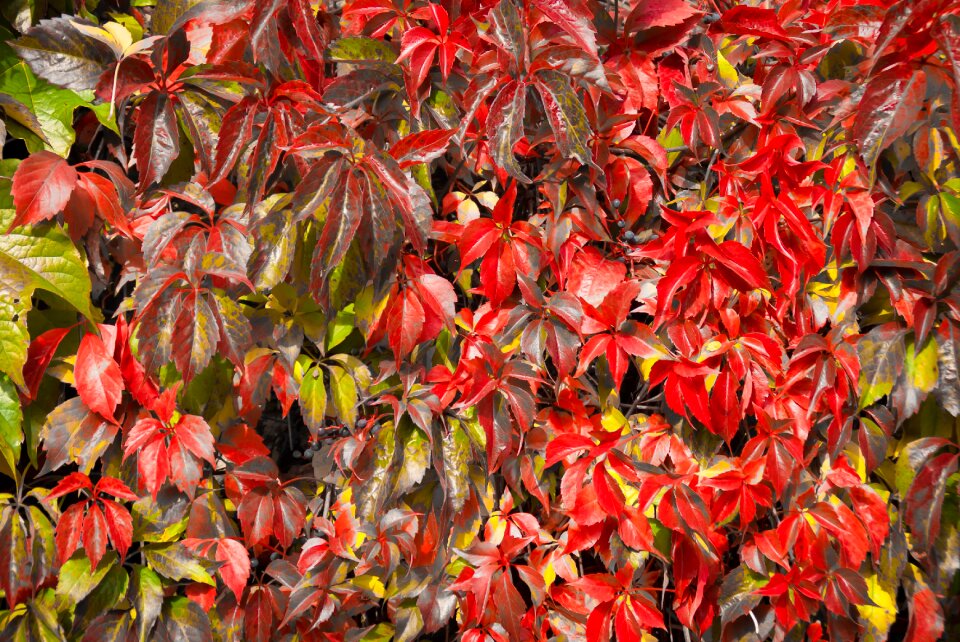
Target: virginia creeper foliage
480	320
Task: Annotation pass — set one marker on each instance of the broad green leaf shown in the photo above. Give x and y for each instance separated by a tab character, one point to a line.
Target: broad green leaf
881	357
11	433
176	562
44	625
343	395
77	580
146	595
313	399
912	458
922	369
919	376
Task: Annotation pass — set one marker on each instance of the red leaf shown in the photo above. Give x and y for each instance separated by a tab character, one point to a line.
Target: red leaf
658	13
70	484
98	378
256	516
421	147
119	526
203	595
115	487
236	565
94	535
289	516
156	140
105	200
195	434
258	617
39	355
890	103
42	185
69	529
926	617
405	323
754	21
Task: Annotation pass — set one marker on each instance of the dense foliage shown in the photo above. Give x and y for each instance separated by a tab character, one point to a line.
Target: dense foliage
479	320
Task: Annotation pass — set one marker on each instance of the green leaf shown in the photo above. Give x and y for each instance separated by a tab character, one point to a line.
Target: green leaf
416	457
737	595
455	449
109	591
881	357
31	258
176	562
313	399
275	246
163	520
77	581
568	119
112	626
11	418
168	12
52	105
340	328
382	632
146	595
918	378
72	433
370	497
343	395
183	619
361	48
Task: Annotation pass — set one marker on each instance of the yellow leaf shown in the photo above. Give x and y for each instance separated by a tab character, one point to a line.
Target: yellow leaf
371	583
877	620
